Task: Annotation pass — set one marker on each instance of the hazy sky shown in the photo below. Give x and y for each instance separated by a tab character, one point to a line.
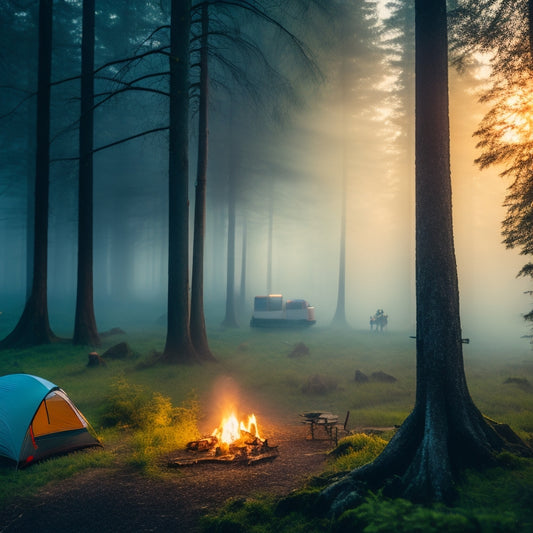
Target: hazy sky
380	234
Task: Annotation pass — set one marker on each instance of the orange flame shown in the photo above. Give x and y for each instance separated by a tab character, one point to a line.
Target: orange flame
230	429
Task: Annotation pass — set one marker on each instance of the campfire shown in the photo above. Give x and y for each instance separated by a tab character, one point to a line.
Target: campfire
232	441
236	435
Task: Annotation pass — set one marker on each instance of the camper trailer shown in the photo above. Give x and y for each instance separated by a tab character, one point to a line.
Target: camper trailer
272	312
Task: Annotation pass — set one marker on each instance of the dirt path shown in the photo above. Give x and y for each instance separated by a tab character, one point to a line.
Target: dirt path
120	501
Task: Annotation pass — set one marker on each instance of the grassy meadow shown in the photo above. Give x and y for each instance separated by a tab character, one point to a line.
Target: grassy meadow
255	374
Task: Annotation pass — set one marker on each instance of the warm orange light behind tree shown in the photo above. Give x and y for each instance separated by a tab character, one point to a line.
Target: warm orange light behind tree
504	31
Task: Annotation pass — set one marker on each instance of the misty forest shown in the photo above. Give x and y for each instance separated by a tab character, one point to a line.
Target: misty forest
166	166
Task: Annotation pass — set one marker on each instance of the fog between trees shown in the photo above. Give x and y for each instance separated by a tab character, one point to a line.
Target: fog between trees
294	163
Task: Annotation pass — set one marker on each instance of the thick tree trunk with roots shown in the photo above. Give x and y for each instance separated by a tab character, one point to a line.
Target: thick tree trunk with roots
33	327
197	322
445	432
178	346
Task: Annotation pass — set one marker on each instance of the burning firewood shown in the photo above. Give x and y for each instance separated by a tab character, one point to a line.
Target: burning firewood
202	445
232	442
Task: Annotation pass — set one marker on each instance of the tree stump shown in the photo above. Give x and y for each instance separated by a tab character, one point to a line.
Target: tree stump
95	360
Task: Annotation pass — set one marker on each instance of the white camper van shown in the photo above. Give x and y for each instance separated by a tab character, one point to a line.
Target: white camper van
272	312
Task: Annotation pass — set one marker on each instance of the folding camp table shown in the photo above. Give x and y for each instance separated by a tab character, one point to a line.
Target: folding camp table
326	420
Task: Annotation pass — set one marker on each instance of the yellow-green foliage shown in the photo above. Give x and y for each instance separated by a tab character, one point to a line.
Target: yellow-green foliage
166	428
157	425
356	450
125	405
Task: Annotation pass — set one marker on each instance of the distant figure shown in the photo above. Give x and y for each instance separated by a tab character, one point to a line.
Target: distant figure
379	320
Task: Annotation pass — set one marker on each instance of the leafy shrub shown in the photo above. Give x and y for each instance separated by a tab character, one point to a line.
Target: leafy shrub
125	405
399	515
157	425
356	450
510	460
506	491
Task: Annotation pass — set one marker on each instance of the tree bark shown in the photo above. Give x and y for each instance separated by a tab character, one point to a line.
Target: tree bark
445	432
244	253
30	198
85	330
230	318
269	238
197	321
339	318
178	346
33	327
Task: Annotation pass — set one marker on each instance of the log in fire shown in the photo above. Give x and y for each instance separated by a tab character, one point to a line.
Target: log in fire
231	442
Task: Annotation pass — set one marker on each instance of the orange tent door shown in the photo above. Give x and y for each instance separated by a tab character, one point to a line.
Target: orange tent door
56	414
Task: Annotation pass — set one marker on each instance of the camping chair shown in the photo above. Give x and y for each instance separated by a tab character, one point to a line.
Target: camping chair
342	428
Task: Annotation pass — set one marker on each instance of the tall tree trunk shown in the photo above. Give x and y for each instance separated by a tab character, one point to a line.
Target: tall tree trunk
197	322
85	331
230	318
269	239
33	327
178	346
339	318
30	199
445	432
242	290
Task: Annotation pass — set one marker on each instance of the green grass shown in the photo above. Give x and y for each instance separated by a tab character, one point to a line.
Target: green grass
16	484
255	372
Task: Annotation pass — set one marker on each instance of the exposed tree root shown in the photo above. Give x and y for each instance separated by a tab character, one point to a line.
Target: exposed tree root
32	329
179	355
201	347
421	461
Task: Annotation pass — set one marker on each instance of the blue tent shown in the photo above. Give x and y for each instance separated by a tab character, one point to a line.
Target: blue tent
38	419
